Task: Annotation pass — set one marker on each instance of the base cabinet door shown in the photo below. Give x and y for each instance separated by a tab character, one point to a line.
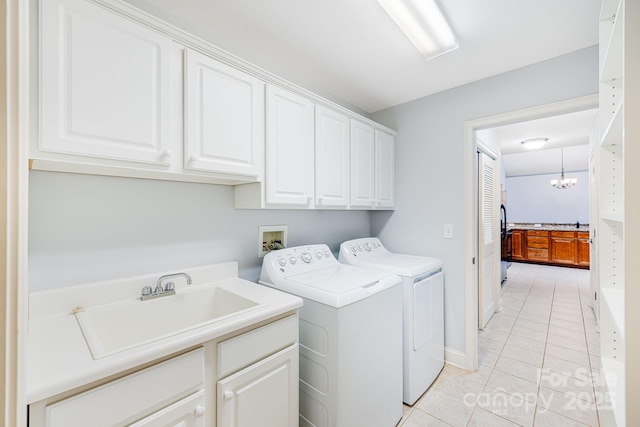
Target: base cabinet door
583	249
563	247
264	394
517	245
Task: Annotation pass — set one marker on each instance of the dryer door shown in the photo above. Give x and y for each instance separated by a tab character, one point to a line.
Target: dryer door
428	310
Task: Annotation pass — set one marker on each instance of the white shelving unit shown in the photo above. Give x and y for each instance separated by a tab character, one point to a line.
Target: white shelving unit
619	204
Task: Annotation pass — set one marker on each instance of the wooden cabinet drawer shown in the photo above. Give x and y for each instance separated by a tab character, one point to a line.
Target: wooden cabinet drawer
537	242
582	234
542	233
568	234
539	254
246	349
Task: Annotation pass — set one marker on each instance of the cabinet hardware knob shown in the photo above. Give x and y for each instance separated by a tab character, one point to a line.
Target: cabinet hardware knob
200	410
228	395
167	153
193	159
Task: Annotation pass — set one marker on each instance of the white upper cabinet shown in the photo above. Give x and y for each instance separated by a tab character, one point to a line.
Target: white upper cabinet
331	159
289	157
385	170
224	118
372	167
362	165
105	85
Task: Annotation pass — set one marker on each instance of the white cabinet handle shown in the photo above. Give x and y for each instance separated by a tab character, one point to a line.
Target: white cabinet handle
193	159
167	153
228	395
319	200
308	200
200	410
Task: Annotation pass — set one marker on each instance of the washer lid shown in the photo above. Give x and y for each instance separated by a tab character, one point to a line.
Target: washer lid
401	264
338	285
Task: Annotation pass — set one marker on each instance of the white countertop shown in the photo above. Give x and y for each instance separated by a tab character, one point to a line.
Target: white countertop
59	358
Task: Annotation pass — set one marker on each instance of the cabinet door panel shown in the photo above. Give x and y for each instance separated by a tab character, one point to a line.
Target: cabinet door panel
331	158
385	170
289	174
264	394
224	128
362	165
106	84
563	250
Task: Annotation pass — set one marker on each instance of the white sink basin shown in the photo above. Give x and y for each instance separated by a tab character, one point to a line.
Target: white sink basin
112	328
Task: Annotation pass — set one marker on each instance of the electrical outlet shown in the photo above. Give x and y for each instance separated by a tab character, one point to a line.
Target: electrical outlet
448	231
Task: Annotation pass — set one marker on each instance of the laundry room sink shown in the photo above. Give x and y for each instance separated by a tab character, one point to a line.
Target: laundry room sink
120	326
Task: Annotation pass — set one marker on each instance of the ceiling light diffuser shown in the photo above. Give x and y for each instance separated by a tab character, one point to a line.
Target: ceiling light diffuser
534	143
423	23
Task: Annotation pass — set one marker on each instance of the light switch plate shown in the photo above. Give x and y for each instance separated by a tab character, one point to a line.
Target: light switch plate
448	231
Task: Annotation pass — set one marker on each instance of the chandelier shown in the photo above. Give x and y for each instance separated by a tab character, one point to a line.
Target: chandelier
563	182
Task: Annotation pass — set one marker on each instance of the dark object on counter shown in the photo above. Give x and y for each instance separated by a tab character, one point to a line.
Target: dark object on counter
577	224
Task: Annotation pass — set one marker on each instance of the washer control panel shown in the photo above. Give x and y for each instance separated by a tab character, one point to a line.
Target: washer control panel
362	247
300	259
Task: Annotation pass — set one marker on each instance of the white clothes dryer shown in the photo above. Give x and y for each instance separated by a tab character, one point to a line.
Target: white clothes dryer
350	337
423	309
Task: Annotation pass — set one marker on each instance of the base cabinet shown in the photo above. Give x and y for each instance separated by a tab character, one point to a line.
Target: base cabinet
562	248
250	379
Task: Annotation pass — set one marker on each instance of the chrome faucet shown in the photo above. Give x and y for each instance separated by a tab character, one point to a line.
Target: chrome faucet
159	291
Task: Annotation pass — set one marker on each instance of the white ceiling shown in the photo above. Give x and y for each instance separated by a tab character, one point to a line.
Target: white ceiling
352	52
570	131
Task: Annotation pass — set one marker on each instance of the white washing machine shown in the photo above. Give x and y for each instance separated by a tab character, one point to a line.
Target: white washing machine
423	318
350	337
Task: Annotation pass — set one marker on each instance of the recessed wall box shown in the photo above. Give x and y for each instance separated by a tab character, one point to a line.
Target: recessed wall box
271	237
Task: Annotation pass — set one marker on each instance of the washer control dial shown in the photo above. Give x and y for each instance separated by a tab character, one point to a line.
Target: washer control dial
282	262
293	260
306	257
367	246
319	255
326	254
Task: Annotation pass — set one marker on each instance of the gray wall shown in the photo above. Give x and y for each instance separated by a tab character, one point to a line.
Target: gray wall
430	162
86	228
533	199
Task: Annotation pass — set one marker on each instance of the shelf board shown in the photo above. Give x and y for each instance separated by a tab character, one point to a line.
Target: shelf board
615	370
612	64
612	217
612	134
614	301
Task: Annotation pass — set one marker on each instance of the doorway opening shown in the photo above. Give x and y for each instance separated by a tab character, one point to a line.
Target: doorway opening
471	199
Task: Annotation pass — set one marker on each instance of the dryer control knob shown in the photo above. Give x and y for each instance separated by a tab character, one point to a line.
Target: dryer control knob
293	260
353	249
306	257
360	248
282	262
367	246
319	255
326	254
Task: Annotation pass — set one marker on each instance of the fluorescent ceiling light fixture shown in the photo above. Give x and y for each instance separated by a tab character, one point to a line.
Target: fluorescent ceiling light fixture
423	24
534	143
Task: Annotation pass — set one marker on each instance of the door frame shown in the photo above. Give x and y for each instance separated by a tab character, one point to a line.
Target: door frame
470	191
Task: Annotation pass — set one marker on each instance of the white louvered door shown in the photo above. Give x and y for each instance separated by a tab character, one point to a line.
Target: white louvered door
488	239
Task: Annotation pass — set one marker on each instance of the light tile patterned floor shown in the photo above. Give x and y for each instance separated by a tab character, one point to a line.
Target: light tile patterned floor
538	360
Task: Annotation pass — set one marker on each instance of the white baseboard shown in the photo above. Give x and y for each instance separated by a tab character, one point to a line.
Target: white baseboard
455	357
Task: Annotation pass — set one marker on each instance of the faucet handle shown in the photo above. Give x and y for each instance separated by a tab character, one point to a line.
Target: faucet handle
146	291
170	286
